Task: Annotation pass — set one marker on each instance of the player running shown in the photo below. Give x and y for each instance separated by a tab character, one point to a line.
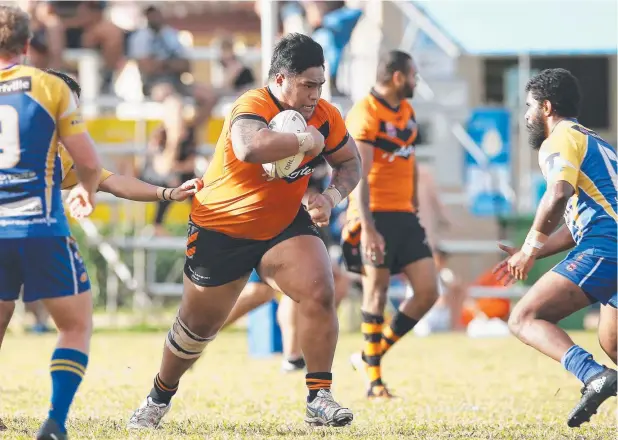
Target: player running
37	110
257	292
580	169
124	187
242	220
383	235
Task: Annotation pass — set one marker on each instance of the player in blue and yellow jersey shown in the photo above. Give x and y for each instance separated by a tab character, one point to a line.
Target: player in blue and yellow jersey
125	187
37	110
580	169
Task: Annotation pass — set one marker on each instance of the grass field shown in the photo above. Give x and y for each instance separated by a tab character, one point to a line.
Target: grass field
452	387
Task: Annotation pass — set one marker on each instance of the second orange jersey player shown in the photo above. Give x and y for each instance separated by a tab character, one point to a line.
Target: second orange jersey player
383	235
243	220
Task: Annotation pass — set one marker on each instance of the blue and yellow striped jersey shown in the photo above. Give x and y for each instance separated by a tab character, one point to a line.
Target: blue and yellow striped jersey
36	109
580	157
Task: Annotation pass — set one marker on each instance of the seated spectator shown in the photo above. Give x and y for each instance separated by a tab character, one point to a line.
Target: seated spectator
182	169
162	60
292	16
333	23
238	77
87	28
48	36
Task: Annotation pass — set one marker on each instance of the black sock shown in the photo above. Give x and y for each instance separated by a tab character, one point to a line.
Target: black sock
298	363
402	323
162	393
317	382
399	326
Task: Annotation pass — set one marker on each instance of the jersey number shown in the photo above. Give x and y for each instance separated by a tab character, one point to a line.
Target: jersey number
10	150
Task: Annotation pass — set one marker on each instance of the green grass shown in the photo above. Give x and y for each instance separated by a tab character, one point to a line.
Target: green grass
452	388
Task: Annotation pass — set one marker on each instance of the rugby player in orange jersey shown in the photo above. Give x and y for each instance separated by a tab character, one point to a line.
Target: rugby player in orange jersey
243	220
383	235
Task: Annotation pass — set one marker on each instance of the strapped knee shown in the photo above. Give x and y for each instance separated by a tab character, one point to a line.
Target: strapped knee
185	344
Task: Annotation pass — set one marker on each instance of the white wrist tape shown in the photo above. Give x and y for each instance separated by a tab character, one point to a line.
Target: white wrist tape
305	142
534	243
334	195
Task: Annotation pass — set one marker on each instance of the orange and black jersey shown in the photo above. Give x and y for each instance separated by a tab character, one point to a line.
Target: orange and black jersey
238	198
392	132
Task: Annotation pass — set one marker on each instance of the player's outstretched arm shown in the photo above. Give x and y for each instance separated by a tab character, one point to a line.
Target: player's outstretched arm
130	188
559	241
547	218
253	142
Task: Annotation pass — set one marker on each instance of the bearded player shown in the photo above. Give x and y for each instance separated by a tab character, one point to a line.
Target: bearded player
243	220
580	169
383	235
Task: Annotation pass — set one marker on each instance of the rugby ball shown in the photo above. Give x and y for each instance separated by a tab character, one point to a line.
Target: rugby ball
288	121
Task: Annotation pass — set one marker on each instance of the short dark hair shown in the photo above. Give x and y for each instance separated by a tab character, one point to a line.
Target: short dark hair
559	87
294	54
73	85
391	62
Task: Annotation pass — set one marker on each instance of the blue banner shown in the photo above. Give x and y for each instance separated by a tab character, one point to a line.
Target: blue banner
486	184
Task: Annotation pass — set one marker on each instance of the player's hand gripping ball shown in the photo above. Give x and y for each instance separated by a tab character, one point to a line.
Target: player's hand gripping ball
289	121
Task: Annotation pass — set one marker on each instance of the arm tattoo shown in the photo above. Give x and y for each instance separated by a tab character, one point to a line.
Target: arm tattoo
346	175
243	131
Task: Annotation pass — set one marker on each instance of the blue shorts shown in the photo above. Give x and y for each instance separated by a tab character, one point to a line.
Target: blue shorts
254	277
594	274
47	267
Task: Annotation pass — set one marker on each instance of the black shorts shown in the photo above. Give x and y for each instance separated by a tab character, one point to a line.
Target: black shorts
404	238
213	258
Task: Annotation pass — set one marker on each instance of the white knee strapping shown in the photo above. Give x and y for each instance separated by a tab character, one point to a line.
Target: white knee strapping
184	343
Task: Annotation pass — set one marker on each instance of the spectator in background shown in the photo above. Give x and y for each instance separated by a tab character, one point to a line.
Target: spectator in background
162	60
332	23
432	213
293	20
182	170
48	36
238	77
87	28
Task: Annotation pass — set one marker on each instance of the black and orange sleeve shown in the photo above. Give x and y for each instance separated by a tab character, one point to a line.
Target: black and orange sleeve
251	106
337	134
362	123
